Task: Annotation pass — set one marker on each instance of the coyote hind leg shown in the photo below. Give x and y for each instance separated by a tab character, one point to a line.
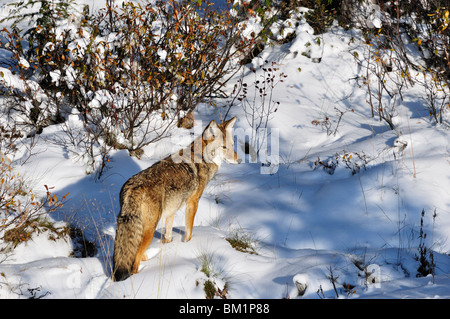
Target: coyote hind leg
141	255
149	231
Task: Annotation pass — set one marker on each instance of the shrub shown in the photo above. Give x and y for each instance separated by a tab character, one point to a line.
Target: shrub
425	258
21	213
322	14
37	54
353	161
130	74
213	285
163	60
242	242
390	66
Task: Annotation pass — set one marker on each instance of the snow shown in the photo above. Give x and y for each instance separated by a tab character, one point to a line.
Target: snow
309	228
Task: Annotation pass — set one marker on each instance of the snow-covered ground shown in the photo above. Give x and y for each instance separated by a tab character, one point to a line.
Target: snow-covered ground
315	234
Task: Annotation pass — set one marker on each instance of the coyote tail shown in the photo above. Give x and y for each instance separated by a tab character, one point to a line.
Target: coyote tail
129	235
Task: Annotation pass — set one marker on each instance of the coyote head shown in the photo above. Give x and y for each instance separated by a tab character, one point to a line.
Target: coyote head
220	143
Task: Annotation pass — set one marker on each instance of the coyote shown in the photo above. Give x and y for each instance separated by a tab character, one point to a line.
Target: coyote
160	190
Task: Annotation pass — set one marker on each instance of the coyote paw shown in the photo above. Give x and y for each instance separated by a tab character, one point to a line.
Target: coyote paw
166	240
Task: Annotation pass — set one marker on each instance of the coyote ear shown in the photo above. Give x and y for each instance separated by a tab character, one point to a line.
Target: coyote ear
230	123
210	131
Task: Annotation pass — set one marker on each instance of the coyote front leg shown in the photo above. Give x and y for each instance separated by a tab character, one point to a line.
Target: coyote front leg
168	231
191	210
